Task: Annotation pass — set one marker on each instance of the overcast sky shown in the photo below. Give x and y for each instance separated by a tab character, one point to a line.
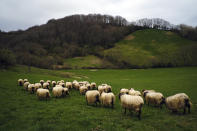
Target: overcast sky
21	14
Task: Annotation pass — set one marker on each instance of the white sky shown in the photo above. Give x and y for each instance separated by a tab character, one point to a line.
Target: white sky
22	14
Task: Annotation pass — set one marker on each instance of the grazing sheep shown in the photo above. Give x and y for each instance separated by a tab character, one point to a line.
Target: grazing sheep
93	86
31	88
107	99
69	85
58	91
62	84
92	97
154	98
108	89
25	80
58	82
76	85
42	82
132	103
134	92
62	81
37	86
48	81
25	85
20	82
88	86
43	93
177	102
65	92
146	91
124	91
53	83
83	90
45	85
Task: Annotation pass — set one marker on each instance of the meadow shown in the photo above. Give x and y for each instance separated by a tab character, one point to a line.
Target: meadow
23	111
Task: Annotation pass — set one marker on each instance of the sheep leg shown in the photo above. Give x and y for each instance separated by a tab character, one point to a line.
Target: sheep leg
189	108
139	114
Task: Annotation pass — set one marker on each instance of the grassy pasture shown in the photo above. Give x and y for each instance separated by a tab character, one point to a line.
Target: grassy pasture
23	111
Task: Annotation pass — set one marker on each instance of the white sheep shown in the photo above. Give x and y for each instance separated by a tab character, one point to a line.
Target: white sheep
92	97
48	81
93	86
62	84
57	91
69	85
76	85
43	93
83	90
42	82
146	91
177	102
154	98
107	99
65	92
46	85
132	103
25	80
134	92
53	83
31	88
108	89
101	88
20	82
37	86
124	91
25	85
88	86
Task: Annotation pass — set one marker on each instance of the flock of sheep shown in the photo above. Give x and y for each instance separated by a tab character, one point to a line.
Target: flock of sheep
130	99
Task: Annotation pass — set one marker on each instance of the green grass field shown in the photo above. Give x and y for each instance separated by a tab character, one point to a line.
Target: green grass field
23	111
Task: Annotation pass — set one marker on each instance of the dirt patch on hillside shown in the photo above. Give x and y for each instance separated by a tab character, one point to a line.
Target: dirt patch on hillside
129	37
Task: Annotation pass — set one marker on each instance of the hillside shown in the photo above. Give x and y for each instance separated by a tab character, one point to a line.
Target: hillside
152	48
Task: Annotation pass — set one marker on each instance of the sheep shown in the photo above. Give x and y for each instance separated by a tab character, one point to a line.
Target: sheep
65	92
92	97
20	82
101	88
57	91
154	98
76	85
62	84
178	101
88	86
108	89
93	85
48	81
132	103
83	90
69	85
31	88
53	83
58	82
43	93
134	92
62	81
107	99
37	86
146	91
124	91
25	80
42	82
25	85
45	85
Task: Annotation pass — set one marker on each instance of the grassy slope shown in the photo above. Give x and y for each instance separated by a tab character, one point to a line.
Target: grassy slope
89	61
22	111
146	48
